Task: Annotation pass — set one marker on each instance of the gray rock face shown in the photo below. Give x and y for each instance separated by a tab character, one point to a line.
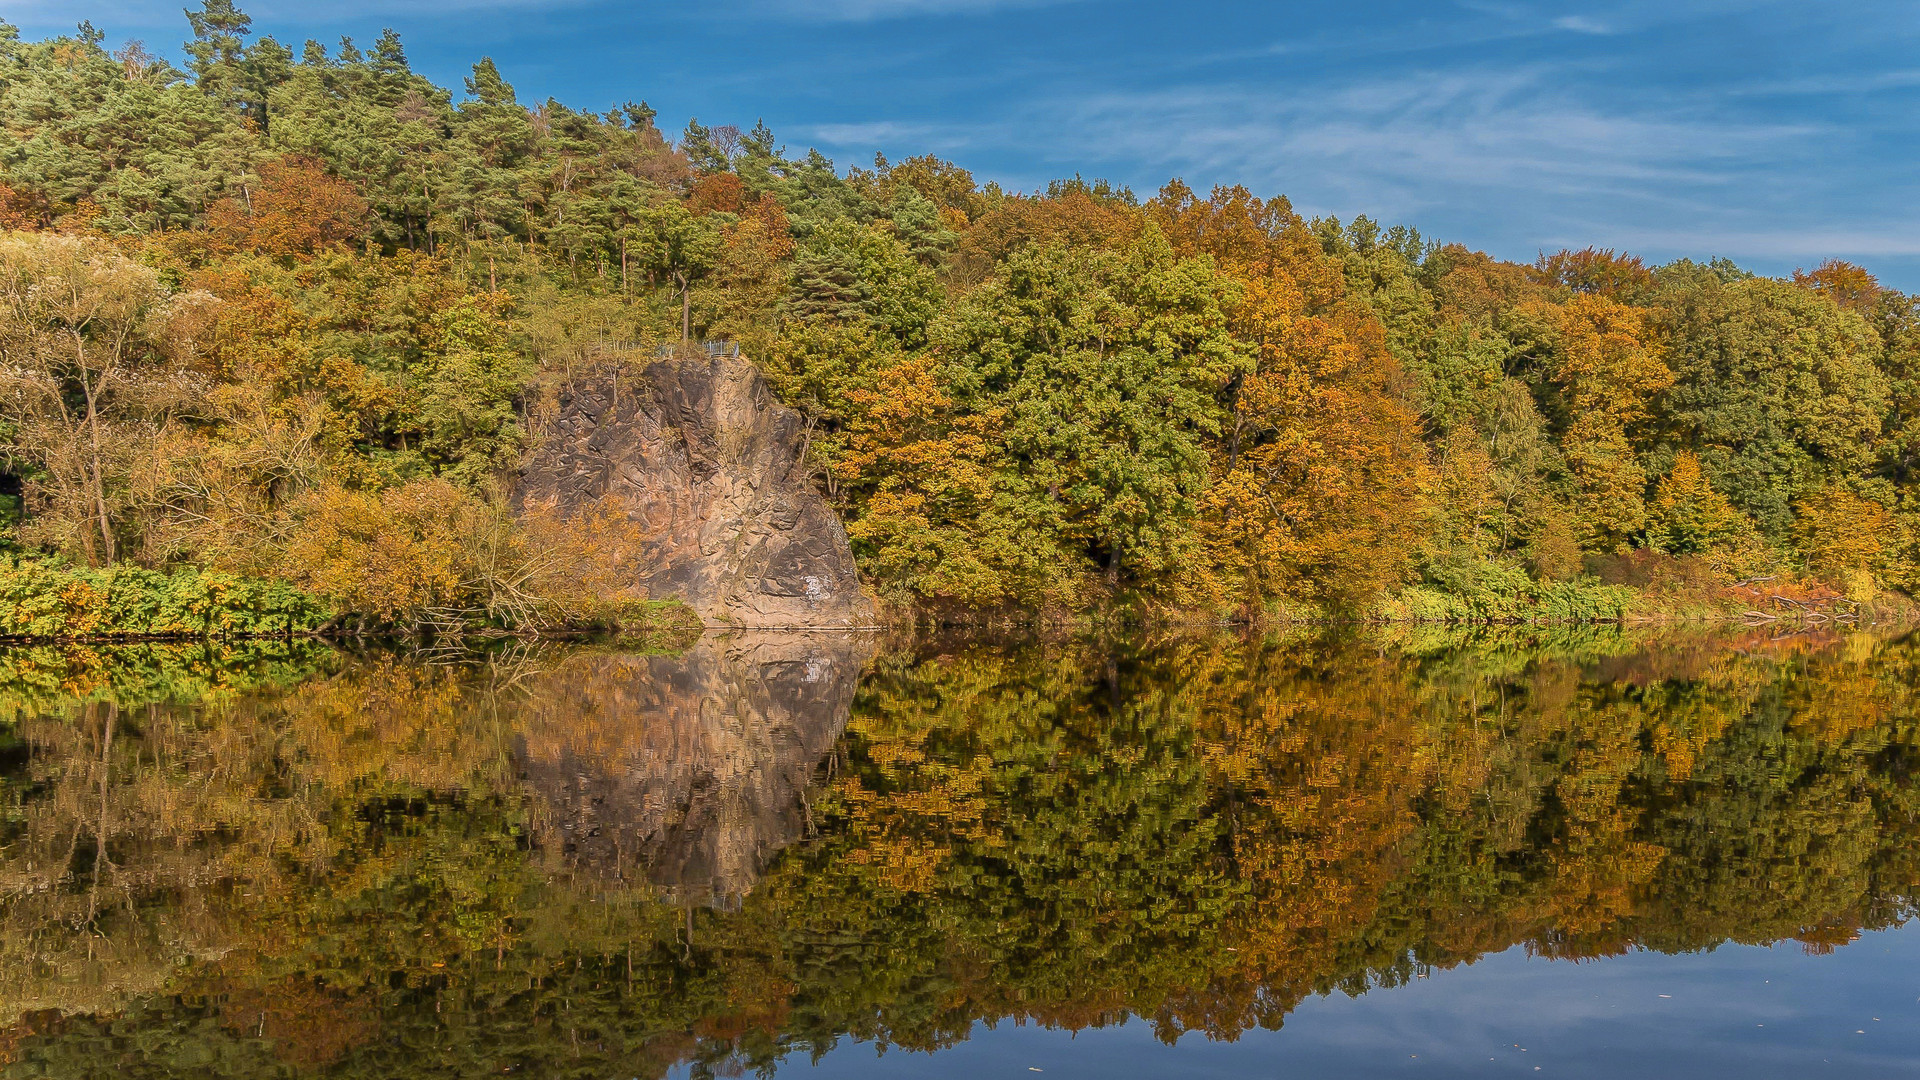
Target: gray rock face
689	772
702	459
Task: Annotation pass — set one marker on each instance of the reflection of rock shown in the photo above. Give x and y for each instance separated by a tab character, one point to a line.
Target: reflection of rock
689	771
708	465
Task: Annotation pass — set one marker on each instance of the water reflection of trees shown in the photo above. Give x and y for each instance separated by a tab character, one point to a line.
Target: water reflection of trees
391	867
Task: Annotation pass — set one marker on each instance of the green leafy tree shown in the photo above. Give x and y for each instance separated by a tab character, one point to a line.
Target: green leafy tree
467	398
1107	366
1778	390
851	272
217	54
673	243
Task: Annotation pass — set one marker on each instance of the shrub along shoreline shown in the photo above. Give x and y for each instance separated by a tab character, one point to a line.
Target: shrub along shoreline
49	600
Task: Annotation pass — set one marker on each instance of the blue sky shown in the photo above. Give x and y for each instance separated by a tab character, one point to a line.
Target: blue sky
1774	133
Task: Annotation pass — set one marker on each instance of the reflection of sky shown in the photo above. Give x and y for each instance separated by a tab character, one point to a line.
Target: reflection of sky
1753	1013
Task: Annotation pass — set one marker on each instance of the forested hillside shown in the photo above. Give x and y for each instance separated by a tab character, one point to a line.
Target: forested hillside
292	312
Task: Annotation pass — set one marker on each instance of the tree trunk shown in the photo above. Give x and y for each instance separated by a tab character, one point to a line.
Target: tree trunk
1233	445
93	438
686	311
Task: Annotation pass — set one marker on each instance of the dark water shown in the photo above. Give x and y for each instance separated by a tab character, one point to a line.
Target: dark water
1592	854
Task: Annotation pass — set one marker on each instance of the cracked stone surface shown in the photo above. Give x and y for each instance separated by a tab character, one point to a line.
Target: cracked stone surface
708	465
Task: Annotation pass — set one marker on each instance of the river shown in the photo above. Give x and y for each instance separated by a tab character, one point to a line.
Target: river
1590	852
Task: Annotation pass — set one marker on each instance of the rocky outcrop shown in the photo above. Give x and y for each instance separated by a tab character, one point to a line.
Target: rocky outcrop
707	467
690	771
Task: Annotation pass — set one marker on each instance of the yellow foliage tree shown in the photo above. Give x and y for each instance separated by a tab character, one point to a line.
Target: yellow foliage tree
1844	538
930	521
433	553
1688	517
1610	368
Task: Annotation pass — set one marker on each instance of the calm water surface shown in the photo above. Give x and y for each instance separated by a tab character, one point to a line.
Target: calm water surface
1592	854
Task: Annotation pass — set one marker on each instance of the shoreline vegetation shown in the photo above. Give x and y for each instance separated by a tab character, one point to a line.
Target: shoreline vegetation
278	325
43	602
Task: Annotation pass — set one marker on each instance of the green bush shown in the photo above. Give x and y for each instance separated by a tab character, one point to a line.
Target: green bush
47	599
1502	593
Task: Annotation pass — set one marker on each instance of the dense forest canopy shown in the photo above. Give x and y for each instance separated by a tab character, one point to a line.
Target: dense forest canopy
295	312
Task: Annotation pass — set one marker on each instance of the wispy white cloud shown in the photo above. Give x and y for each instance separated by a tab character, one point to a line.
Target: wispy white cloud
1495	23
1606	18
874	133
1860	83
876	10
1581	24
1405	145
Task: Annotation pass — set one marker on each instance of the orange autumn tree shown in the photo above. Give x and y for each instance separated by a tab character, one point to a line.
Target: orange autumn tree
1315	493
1071	214
1322	502
1850	286
742	301
297	208
1595	271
